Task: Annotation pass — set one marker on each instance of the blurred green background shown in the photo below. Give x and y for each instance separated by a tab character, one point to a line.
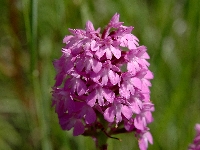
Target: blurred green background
31	34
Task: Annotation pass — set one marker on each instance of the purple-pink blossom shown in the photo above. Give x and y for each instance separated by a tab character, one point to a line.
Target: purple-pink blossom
104	76
196	142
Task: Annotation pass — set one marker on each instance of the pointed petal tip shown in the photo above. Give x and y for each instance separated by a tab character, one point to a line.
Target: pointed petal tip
78	128
89	26
115	18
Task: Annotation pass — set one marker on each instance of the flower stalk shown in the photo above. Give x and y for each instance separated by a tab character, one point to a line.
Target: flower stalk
101	141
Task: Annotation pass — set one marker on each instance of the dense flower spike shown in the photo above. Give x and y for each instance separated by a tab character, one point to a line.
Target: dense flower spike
104	76
196	143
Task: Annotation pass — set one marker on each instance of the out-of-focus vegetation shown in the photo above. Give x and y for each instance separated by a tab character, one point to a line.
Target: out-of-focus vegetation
31	34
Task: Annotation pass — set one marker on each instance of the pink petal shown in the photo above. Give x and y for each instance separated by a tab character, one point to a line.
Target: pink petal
115	18
149	75
94	46
69	67
109	114
149	137
104	79
118	112
69	104
131	88
145	56
100	97
78	128
67	39
95	76
66	122
77	32
197	128
66	51
145	89
141	51
91	99
142	144
138	122
114	22
80	64
72	42
90	116
59	79
131	45
146	97
197	139
132	41
76	51
114	77
137	83
109	95
81	87
123	42
116	52
89	26
148	116
96	66
136	106
127	112
129	125
99	53
131	67
146	82
123	91
88	65
108	53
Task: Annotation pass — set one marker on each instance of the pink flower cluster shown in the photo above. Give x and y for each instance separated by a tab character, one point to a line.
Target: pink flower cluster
196	143
104	76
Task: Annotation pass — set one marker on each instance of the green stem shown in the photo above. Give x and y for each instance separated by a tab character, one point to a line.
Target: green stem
101	141
35	74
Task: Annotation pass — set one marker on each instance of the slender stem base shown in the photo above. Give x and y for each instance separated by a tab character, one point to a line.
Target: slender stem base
101	141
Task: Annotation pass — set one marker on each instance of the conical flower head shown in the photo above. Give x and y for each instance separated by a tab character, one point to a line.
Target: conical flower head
104	76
